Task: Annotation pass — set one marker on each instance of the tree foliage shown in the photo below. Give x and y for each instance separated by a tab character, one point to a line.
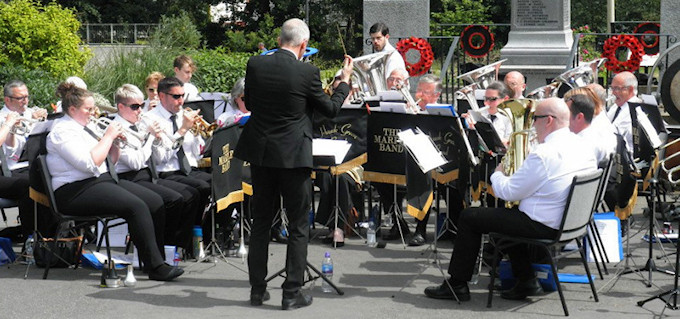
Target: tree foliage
593	12
176	32
41	37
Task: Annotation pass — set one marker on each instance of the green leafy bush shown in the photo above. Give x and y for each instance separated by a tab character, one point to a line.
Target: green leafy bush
243	41
41	84
218	69
176	32
41	37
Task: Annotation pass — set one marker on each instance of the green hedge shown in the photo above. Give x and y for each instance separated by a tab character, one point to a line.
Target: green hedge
41	84
218	69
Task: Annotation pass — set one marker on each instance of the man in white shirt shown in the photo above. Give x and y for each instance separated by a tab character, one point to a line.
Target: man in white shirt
515	81
380	36
180	164
180	199
582	103
541	185
184	68
428	91
14	183
624	85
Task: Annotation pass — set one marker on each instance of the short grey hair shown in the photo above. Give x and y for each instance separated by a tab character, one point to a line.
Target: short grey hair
127	92
294	32
7	91
78	82
238	89
431	78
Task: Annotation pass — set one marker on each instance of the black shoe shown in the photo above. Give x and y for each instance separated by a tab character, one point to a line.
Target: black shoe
523	289
394	233
444	292
417	240
298	301
257	299
165	272
279	238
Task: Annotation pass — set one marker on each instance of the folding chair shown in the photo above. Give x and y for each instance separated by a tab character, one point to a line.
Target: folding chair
48	199
577	215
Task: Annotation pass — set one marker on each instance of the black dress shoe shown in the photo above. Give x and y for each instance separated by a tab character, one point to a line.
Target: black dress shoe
394	233
256	299
523	289
444	292
417	240
298	301
165	272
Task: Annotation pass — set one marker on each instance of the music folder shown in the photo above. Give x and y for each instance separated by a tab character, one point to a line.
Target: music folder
441	109
329	152
422	149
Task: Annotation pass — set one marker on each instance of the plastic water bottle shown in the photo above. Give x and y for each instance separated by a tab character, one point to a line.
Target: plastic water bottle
370	234
327	271
28	251
198	239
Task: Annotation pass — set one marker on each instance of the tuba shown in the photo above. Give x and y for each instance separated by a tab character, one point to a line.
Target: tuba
368	77
520	112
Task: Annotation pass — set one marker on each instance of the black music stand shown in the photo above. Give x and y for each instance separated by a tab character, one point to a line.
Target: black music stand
672	293
226	185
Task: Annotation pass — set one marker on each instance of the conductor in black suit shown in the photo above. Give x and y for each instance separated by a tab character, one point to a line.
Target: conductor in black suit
282	93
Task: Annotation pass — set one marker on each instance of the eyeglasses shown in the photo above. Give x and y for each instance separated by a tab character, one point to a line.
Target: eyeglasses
535	117
174	96
491	98
619	88
135	107
19	98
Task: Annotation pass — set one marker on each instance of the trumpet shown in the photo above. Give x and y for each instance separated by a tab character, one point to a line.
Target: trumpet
145	122
24	126
201	126
102	123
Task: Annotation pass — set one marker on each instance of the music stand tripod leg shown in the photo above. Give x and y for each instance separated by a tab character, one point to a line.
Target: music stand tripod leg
673	293
398	215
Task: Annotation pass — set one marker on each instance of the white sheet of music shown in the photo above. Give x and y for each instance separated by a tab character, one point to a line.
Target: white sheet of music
648	128
327	147
478	117
422	149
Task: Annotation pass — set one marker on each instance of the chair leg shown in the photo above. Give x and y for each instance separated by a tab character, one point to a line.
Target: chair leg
599	245
493	273
585	265
557	282
4	216
597	263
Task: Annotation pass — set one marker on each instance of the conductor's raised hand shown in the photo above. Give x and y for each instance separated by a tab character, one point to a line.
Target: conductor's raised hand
347	69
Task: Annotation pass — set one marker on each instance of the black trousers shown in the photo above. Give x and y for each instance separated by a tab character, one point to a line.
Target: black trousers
141	208
199	180
294	184
180	205
455	205
474	222
326	183
16	188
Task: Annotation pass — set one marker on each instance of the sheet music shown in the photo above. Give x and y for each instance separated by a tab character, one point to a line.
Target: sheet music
648	99
395	107
422	149
326	147
390	95
478	117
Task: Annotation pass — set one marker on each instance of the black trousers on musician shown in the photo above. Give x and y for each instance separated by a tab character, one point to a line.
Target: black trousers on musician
140	207
326	183
294	185
15	187
474	222
199	180
180	201
455	205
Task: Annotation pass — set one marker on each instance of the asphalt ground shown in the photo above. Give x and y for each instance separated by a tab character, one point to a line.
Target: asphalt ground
377	283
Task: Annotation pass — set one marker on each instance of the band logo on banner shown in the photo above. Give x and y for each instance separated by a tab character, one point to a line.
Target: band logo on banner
227	169
349	125
225	159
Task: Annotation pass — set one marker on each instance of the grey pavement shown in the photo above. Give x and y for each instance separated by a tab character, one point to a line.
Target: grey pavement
377	283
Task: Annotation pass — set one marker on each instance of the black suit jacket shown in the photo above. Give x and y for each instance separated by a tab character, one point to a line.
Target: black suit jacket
282	93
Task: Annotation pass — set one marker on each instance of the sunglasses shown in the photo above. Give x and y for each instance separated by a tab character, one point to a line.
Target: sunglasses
535	117
175	96
135	107
152	90
491	98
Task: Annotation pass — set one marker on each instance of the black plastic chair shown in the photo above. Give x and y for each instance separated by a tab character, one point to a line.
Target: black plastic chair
578	213
47	199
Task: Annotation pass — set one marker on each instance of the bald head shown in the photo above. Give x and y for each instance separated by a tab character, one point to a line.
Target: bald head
515	81
557	108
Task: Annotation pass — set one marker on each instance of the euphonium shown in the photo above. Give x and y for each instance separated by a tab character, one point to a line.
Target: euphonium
520	112
368	77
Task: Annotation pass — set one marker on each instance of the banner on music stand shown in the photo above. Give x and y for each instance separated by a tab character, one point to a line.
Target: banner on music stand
226	169
350	125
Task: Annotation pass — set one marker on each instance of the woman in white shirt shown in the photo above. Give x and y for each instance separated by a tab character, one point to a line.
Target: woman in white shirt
77	160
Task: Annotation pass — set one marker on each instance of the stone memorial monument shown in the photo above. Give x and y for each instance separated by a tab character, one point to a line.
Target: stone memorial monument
670	24
405	18
540	40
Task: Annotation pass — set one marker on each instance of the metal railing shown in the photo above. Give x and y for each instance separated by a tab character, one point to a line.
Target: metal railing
117	33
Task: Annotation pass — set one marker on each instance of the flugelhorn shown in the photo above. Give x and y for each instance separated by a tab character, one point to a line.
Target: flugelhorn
201	127
145	122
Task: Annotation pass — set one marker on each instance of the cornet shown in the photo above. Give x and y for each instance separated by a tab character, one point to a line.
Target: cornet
201	126
102	123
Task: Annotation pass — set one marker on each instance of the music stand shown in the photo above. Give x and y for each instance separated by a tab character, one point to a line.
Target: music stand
672	293
226	186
